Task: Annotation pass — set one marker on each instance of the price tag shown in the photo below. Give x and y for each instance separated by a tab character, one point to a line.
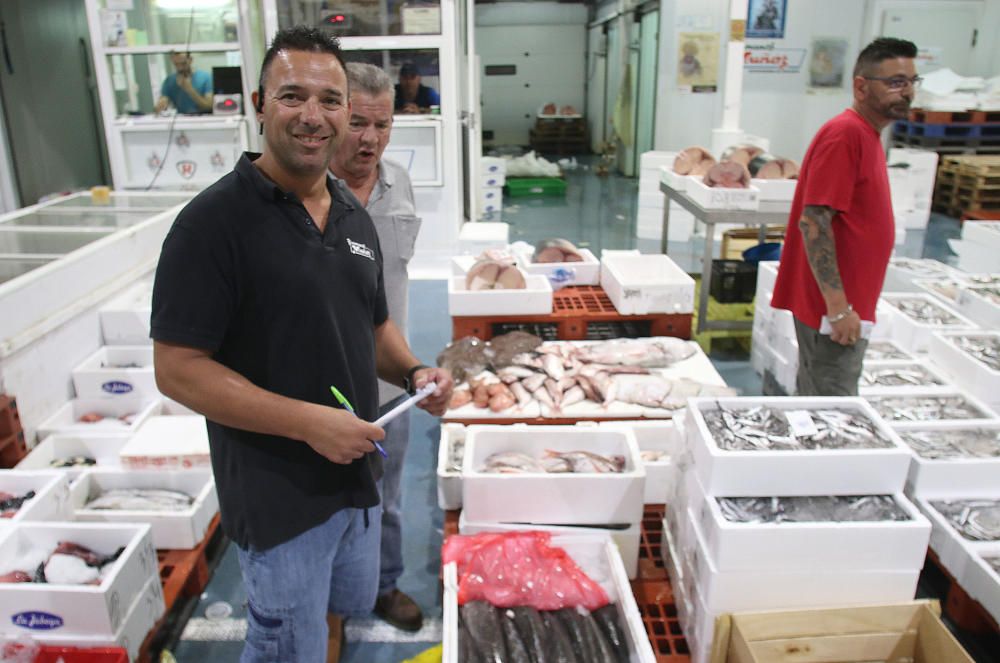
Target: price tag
801	423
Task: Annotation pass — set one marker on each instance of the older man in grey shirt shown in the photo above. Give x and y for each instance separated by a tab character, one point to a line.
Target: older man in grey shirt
383	189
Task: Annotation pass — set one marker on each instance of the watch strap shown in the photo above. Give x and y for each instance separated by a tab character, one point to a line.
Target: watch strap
408	379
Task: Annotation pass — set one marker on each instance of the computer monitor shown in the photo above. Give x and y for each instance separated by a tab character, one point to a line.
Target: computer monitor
226	80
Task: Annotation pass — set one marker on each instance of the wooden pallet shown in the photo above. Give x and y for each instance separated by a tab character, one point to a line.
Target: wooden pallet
577	312
949	117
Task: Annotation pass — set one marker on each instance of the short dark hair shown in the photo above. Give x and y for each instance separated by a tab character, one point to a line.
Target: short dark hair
300	38
883	48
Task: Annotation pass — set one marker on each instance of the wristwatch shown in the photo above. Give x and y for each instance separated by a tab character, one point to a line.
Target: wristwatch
408	379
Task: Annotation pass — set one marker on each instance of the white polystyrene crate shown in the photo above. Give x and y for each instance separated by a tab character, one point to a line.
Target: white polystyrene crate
945	289
125	319
980	580
122	416
968	372
661	436
983	413
168	442
914	335
491	165
103	449
713	197
672	179
449	482
649	181
183	529
652	201
657	159
641	284
946	477
490	194
587	272
493	180
626	538
586	498
760	355
535	299
596	556
900	272
77	609
937	380
116	370
477	236
975	303
767	275
51	494
732	591
781	191
791	472
973	257
983	233
889	545
887	351
947	543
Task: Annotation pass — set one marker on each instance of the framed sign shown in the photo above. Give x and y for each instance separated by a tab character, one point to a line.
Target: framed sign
766	19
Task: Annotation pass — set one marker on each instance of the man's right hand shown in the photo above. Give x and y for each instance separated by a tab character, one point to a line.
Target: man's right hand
846	331
338	435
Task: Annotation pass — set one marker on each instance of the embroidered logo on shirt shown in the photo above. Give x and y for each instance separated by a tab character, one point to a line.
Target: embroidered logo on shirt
359	249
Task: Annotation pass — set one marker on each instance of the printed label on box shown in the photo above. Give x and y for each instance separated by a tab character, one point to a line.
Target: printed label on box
801	423
36	620
116	387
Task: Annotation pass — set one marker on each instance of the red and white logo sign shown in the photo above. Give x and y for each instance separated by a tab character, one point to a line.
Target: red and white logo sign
187	168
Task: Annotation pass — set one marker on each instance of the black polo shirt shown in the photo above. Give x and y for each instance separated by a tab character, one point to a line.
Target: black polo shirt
247	275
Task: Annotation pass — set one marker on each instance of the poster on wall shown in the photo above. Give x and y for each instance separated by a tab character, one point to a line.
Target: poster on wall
769	58
766	19
827	64
698	61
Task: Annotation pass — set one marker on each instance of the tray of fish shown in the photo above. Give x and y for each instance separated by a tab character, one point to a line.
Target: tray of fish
451	450
971	359
559	261
32	495
659	443
46	586
596	556
981	304
961	523
950	457
915	317
981	579
178	505
886	351
901	272
552	474
73	453
533	298
168	442
895	377
765	446
107	415
918	407
116	371
832	532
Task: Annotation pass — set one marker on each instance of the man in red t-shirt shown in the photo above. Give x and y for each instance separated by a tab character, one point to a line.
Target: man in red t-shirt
841	229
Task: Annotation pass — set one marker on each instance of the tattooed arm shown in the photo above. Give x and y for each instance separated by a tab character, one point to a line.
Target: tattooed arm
816	225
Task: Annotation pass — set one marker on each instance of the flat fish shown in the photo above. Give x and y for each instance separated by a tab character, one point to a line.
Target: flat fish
607	619
483	622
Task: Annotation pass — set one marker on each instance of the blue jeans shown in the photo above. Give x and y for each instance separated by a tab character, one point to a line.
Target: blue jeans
290	588
397	434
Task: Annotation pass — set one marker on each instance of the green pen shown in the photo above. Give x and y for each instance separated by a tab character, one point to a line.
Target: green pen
347	406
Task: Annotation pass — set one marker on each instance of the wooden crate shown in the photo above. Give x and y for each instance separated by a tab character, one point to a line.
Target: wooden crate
737	240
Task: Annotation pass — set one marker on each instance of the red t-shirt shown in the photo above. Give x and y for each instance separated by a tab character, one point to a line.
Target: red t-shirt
844	169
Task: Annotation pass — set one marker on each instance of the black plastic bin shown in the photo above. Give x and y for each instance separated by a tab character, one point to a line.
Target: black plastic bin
733	281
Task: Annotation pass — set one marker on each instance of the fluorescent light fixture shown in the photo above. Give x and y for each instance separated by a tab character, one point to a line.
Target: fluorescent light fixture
187	5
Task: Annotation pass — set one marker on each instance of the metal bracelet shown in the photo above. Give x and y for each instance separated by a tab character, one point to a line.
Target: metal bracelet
843	314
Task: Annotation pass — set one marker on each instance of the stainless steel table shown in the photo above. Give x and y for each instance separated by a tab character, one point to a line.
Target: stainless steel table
769	213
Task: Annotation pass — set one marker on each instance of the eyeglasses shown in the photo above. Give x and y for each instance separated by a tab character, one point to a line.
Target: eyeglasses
897	82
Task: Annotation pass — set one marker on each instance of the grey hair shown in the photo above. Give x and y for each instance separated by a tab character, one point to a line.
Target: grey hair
369	79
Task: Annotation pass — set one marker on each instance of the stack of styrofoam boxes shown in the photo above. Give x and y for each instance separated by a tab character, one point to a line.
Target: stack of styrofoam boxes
911	183
493	175
649	217
497	501
980	303
720	566
775	348
978	248
969	372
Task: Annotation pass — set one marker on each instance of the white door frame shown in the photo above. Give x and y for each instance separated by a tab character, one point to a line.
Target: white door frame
9	197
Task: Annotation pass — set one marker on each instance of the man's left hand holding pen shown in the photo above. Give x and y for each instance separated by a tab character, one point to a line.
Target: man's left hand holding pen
437	402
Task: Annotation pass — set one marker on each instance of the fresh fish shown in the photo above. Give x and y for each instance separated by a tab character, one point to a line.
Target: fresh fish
542	395
762	428
854	508
521	394
464	357
898	376
975	519
937	444
456	455
983	347
600	644
552	387
511	462
988	292
72	461
559	644
556	250
505	347
587	461
648	353
140	499
534	382
485	631
10	504
583	647
15	576
517	650
607	619
460	397
922	267
532	631
883	351
652	455
513	373
925	408
572	396
924	311
553	365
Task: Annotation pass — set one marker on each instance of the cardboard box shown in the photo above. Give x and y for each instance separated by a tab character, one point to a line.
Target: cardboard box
77	609
122	416
915	335
51	495
125	319
116	371
535	299
103	449
949	476
640	284
182	529
168	442
906	631
570	498
809	472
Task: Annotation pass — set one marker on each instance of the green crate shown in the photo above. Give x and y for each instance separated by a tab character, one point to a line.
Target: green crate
518	187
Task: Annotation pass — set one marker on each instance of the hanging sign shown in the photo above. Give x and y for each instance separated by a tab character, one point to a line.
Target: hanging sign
771	59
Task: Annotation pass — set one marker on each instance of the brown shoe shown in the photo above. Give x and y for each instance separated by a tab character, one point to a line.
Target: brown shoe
399	610
335	639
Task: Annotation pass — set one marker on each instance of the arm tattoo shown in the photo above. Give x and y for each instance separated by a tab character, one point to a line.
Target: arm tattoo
816	225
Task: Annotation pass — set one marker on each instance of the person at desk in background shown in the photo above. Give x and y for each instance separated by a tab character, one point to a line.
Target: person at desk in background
383	188
412	97
841	229
188	90
268	296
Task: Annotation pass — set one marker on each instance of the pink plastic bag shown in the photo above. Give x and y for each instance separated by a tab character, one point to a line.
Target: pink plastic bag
519	568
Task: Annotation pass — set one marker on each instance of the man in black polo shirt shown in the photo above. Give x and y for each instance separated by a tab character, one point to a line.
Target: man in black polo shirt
269	290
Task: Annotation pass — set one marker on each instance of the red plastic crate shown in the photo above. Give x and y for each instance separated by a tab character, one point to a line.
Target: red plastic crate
78	655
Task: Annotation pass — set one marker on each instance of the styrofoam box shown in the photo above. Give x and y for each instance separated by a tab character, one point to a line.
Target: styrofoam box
649	223
731	591
914	335
490	195
103	449
714	197
50	500
658	435
478	236
449	483
574	499
974	257
778	190
171	442
649	181
907	358
900	272
99	374
673	180
125	318
640	284
944	477
596	556
145	611
790	472
587	272
492	165
625	538
980	580
943	382
490	180
171	529
976	305
949	545
767	275
535	299
657	159
652	200
983	233
492	207
985	414
79	609
66	419
968	372
888	545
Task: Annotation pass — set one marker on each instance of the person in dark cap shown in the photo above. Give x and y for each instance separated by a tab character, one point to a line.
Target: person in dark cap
412	96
